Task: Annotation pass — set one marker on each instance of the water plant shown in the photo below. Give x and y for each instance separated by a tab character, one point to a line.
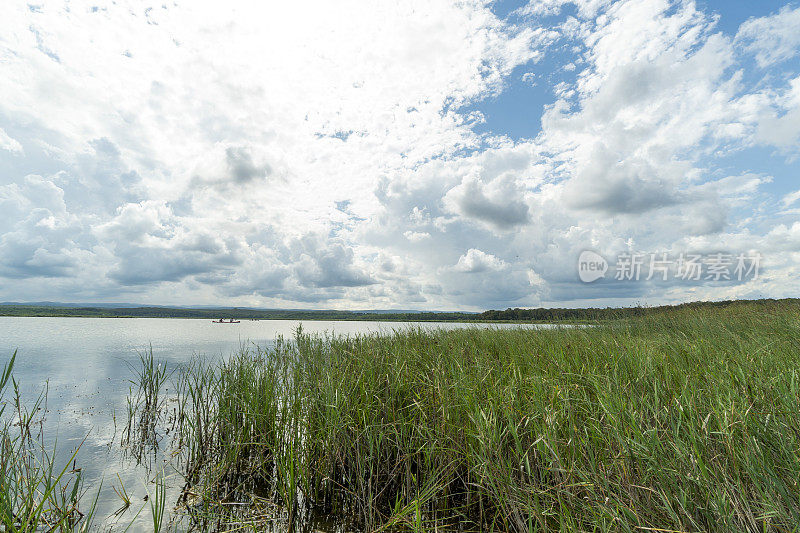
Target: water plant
679	420
145	405
35	494
158	502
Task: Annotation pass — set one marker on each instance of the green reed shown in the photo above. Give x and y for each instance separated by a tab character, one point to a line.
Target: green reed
680	420
146	404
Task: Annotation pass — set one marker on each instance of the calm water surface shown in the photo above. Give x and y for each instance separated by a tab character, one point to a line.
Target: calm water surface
84	363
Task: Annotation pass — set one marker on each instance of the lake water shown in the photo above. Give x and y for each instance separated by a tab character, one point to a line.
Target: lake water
85	365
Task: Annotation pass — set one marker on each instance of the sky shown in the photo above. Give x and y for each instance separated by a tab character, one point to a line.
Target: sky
401	154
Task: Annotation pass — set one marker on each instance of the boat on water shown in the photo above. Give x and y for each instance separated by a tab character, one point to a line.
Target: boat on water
223	321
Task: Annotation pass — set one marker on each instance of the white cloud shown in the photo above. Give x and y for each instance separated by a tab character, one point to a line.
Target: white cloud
416	236
476	261
9	144
774	38
790	198
497	204
38	237
779	125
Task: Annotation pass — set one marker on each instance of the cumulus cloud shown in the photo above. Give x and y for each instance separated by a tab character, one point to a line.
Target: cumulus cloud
475	261
326	264
152	245
37	234
169	158
608	183
497	204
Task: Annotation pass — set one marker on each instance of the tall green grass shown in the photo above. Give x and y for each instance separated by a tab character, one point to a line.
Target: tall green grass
681	421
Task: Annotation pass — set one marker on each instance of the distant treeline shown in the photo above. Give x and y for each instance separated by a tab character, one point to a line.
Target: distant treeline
226	313
606	313
509	315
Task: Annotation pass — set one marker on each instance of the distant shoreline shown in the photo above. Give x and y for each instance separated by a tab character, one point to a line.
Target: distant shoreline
536	315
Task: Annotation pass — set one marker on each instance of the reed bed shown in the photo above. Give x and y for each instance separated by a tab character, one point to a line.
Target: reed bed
680	420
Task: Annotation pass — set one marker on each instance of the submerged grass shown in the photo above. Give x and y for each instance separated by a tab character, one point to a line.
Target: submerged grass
681	420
